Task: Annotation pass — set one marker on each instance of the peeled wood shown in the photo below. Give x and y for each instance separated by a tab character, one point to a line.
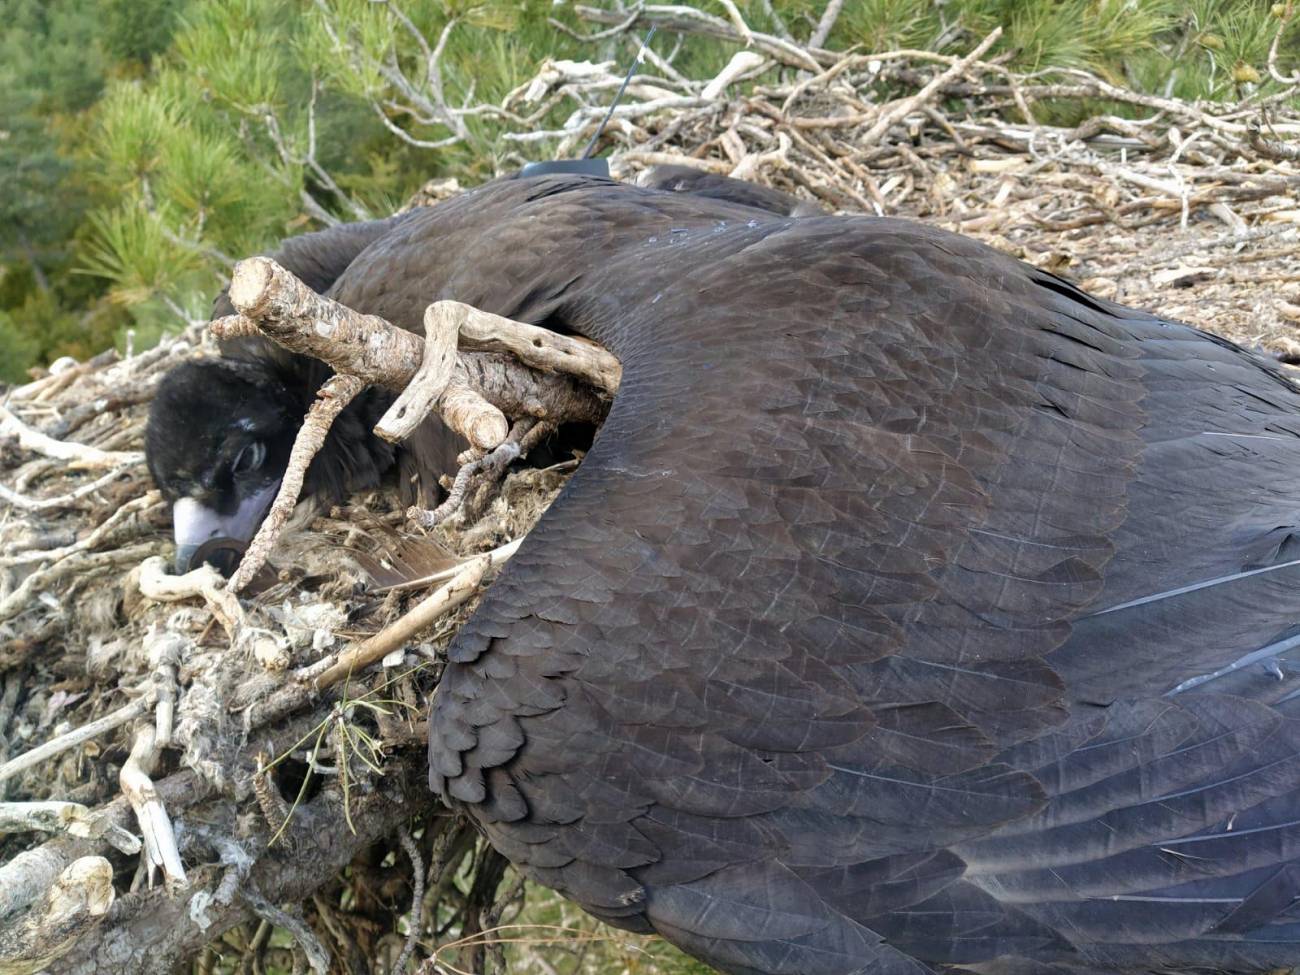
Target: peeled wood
77	901
421	395
155	825
53	816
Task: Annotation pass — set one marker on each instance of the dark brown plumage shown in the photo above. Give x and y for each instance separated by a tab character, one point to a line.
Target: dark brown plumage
912	609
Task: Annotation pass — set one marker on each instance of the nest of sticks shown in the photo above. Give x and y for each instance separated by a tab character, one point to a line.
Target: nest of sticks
231	777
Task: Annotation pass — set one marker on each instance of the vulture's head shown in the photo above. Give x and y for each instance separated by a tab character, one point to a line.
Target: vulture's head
217	444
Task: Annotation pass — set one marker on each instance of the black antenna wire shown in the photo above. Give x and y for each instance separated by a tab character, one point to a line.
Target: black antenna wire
640	56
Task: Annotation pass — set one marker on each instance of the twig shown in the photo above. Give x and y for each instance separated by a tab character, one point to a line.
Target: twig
826	24
417	900
91	541
538	347
436	385
689	20
72	739
66	450
318	955
904	107
1284	18
278	304
406	627
293	315
334	396
155	825
1269	148
741	63
62	500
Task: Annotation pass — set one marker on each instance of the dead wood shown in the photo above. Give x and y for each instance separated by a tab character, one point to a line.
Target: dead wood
73	904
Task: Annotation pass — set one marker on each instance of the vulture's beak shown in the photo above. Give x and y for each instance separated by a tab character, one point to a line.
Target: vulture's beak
202	535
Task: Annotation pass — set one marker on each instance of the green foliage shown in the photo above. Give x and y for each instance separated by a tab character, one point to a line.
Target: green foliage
574	943
133	31
17	348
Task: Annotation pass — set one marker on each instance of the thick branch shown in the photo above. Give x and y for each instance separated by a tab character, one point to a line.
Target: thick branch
149	933
366	346
538	347
296	317
76	902
70	817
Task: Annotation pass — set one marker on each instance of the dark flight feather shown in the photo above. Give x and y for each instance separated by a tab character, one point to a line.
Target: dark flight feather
893	480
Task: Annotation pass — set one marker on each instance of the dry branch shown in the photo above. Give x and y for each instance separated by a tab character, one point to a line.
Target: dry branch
538	347
59	817
80	455
75	903
422	393
295	316
910	104
72	739
333	397
155	825
155	583
443	600
474	393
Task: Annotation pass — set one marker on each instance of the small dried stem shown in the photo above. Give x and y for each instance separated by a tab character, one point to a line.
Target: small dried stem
76	454
417	900
318	956
406	627
906	106
160	850
336	394
62	500
56	746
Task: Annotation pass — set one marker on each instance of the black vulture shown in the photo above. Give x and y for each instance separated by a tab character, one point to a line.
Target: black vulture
220	430
913	609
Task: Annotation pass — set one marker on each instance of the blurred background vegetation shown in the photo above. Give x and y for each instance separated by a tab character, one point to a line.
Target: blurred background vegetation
146	144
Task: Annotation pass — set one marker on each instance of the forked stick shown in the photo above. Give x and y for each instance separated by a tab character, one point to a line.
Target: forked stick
560	379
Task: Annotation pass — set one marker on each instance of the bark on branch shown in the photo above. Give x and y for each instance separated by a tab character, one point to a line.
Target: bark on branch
525	373
77	901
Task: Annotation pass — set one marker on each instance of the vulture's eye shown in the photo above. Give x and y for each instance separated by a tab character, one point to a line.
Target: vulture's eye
250	458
